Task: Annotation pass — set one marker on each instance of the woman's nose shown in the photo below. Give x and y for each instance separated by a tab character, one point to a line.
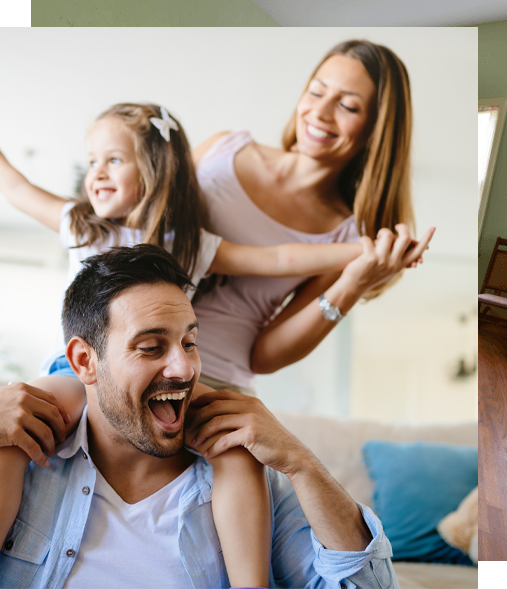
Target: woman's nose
324	107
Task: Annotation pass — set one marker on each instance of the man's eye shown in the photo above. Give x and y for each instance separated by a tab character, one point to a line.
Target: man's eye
150	350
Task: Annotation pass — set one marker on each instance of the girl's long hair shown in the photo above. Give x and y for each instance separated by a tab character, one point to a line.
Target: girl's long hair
169	199
375	184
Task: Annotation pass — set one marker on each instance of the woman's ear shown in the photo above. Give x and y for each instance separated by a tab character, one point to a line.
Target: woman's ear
83	360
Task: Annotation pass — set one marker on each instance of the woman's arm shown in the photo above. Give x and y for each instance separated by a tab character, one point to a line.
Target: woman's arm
36	202
300	327
289	259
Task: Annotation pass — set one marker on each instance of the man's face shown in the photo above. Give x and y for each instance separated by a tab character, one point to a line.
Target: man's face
151	354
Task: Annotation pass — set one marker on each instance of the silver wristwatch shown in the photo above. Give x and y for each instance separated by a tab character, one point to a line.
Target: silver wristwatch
330	312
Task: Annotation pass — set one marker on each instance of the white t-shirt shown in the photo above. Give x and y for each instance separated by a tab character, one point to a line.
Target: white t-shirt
126	237
131	546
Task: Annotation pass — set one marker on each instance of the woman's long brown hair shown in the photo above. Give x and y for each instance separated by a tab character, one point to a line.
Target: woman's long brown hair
169	198
375	184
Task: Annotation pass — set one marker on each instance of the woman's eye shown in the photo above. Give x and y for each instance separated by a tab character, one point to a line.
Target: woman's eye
315	94
190	345
349	108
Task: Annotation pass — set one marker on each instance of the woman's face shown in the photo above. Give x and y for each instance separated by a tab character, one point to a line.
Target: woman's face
335	115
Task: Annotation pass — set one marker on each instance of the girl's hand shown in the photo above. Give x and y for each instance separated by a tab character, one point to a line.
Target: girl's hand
383	259
27	413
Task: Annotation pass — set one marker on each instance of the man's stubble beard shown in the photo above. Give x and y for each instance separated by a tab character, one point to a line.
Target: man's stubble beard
132	424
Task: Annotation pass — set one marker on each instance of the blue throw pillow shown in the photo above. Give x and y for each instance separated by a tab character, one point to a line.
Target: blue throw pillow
416	485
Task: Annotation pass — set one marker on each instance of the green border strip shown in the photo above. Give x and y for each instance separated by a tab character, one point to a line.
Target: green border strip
15	13
149	13
492	575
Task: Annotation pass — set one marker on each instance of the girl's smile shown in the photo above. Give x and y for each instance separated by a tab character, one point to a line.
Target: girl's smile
113	179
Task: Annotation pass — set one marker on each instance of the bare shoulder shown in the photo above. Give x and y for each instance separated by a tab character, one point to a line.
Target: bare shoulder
201	149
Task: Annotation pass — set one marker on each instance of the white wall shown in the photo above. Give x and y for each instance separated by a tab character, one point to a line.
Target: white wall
55	82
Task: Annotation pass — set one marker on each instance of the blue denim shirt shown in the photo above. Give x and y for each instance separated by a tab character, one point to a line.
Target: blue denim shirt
41	546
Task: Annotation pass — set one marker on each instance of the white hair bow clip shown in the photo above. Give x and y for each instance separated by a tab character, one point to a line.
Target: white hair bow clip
165	124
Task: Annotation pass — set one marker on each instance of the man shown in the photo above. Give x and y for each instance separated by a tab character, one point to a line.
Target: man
131	335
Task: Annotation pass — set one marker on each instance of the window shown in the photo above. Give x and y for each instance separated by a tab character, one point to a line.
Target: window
491	118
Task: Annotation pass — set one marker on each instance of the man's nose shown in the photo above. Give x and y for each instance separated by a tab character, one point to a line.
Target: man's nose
178	365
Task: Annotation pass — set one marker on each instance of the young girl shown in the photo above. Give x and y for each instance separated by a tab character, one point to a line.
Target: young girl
141	187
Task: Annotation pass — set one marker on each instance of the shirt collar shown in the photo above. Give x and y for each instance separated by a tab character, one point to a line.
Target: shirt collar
79	439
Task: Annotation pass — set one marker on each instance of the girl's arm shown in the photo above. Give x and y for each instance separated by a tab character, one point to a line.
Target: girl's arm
300	327
290	259
36	202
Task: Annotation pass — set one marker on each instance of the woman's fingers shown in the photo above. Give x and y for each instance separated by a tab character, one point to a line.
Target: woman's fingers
416	252
384	244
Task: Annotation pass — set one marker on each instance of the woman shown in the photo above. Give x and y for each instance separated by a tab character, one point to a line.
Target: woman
343	172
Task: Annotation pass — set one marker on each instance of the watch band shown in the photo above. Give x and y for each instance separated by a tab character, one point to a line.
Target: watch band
330	312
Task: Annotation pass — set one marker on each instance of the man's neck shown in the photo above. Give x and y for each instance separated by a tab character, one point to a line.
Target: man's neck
133	474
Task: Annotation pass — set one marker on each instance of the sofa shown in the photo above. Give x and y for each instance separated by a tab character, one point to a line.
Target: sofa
338	443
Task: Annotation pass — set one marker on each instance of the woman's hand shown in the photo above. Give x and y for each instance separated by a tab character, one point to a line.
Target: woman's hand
383	259
300	327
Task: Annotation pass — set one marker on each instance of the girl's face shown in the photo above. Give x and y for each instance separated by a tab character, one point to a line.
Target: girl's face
113	179
335	115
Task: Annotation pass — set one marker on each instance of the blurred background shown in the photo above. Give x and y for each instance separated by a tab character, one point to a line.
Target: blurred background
407	357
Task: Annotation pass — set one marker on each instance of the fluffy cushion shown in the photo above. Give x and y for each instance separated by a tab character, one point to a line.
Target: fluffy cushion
416	485
461	527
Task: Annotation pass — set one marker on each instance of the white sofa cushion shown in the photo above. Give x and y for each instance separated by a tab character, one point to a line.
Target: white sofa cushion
337	444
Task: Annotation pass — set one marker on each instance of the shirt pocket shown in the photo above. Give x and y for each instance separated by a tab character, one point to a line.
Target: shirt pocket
26	543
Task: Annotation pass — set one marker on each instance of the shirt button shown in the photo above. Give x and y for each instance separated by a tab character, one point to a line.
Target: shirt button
86	490
70	552
85	456
8	545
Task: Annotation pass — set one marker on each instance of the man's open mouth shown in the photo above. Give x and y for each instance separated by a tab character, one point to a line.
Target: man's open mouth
166	407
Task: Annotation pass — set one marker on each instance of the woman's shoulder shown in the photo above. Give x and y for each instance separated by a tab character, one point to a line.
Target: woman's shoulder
200	150
225	143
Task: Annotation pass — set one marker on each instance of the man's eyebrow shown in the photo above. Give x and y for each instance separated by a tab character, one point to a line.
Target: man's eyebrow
162	330
342	91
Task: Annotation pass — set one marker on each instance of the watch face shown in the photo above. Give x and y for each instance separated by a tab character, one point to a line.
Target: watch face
332	314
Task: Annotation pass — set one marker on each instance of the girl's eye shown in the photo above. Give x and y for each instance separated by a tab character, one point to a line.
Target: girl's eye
115	160
93	164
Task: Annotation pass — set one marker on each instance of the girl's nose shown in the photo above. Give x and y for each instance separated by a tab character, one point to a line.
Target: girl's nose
100	170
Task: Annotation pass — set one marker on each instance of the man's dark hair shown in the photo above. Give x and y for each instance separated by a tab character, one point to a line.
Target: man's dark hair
86	306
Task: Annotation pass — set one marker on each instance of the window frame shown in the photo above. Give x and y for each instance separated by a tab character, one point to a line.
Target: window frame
497	137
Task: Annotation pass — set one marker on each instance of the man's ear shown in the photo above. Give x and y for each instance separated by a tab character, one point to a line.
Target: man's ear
83	360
